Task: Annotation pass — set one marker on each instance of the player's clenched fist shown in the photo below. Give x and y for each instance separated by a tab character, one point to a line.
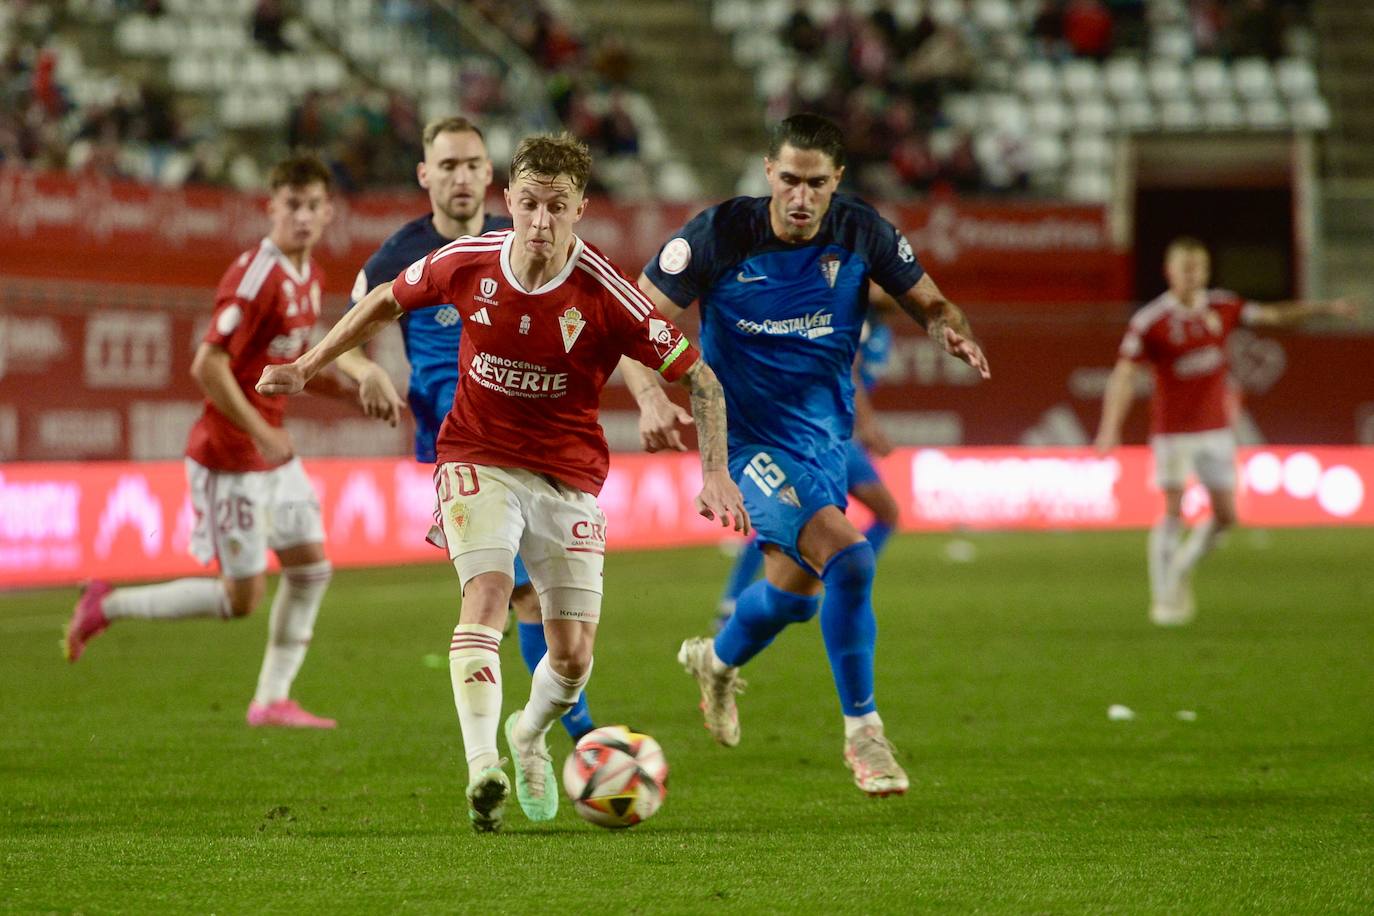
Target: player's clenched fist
286	378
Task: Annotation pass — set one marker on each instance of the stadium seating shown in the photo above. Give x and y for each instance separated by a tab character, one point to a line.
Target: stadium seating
1043	95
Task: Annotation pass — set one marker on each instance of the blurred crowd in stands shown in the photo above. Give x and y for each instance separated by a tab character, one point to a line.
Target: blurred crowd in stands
368	134
884	82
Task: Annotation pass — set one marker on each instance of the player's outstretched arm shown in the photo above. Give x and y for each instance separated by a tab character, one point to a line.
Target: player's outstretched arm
945	323
376	393
1288	314
358	325
719	497
1116	403
660	420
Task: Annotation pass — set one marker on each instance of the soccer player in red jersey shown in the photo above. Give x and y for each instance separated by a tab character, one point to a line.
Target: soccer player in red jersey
1182	336
249	491
521	456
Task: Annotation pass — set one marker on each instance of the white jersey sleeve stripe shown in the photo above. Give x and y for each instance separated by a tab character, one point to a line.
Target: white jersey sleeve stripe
634	301
255	276
466	249
636	294
496	237
623	299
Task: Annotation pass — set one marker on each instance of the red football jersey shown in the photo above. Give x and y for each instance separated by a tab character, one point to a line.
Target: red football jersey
533	364
264	310
1187	348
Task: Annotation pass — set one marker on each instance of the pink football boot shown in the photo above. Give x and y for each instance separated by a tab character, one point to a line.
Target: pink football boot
285	714
88	619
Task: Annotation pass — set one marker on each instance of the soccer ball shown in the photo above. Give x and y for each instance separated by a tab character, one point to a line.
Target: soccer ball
616	777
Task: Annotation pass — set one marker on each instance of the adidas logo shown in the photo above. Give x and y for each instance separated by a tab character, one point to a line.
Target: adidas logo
481	317
482	675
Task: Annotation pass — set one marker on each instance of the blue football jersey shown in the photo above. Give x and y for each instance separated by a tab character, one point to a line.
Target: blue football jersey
431	335
781	322
875	352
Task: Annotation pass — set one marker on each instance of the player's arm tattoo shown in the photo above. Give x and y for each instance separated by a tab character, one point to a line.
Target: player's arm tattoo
708	409
931	310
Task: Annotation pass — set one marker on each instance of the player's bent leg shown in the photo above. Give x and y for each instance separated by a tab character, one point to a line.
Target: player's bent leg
1200	542
742	575
555	687
305	576
533	645
850	630
886	513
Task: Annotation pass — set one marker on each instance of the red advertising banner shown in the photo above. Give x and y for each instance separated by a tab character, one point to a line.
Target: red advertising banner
60	523
111	382
90	228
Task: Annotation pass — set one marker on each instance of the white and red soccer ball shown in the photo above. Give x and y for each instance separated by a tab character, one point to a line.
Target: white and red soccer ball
616	777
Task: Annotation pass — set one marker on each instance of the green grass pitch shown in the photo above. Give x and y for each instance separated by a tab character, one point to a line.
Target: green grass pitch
128	782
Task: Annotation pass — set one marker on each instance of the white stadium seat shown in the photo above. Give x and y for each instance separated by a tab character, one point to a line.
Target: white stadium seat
1090	151
1296	78
1167	79
1081	78
1210	78
1050	116
1094	115
1254	79
1124	78
1180	114
1311	114
1037	78
1222	114
1093	186
1137	114
1266	114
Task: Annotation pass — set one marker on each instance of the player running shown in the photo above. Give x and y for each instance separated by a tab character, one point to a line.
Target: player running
249	491
864	483
521	456
456	172
1182	336
781	281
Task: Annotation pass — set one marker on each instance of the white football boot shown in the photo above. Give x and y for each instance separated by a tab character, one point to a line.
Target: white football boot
717	689
871	757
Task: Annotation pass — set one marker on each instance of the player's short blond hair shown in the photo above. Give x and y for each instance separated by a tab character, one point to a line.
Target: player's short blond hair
550	155
450	124
299	170
1185	244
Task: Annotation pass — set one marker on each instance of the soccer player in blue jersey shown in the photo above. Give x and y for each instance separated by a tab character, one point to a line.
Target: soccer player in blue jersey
456	172
781	281
864	482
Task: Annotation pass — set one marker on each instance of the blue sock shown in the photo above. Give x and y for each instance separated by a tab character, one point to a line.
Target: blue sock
578	720
849	627
877	535
761	613
744	572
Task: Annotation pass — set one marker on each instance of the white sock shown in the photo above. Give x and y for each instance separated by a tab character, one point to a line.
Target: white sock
853	724
551	696
1192	550
294	609
168	600
717	666
474	666
1164	539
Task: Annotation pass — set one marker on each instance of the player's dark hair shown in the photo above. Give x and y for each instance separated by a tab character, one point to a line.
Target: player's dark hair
451	124
550	155
1186	243
299	170
808	131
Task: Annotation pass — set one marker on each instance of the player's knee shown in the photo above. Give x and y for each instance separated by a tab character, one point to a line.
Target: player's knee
571	662
792	607
852	568
525	600
1223	518
887	512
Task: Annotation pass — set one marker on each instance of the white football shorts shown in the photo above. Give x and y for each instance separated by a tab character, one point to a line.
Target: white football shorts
239	515
1210	454
491	513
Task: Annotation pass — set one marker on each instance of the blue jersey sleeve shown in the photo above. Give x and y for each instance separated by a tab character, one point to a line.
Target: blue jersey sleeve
683	268
892	263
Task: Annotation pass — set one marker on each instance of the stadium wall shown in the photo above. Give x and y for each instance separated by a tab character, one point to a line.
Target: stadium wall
60	523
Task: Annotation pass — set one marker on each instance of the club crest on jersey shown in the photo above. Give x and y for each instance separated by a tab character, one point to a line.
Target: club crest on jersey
458	515
570	323
788	495
661	336
830	268
524	324
487	291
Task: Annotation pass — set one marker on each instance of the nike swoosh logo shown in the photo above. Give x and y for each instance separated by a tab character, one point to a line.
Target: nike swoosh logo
864	702
743	279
